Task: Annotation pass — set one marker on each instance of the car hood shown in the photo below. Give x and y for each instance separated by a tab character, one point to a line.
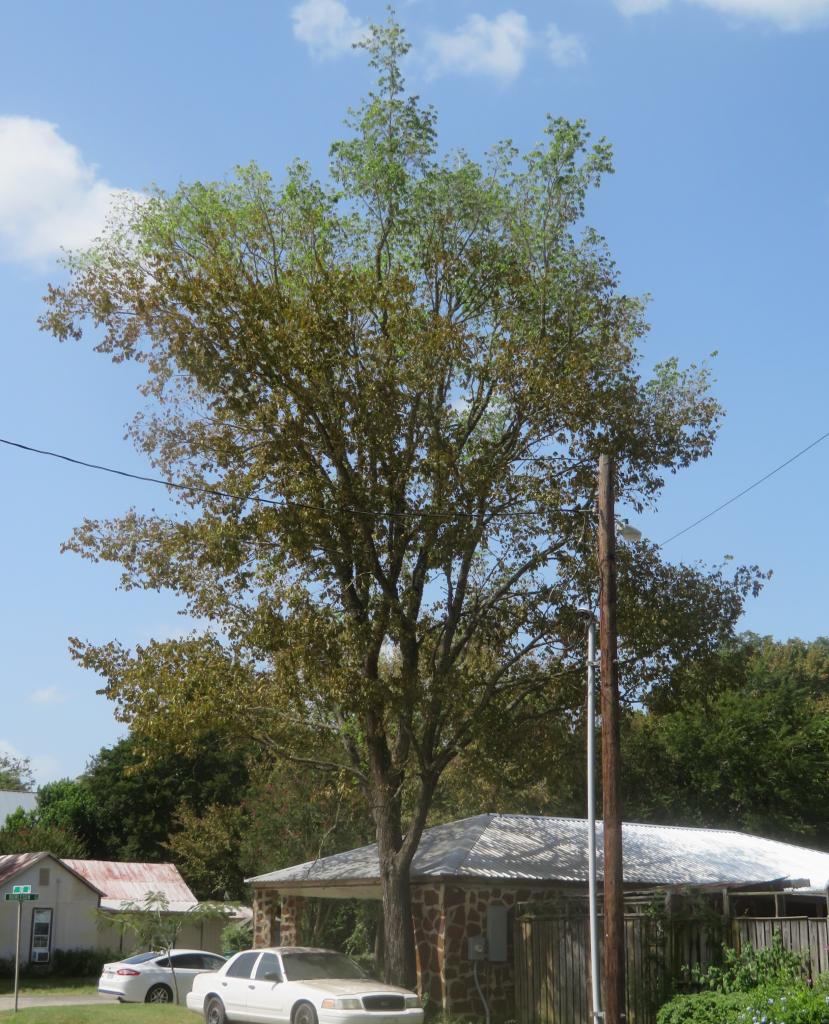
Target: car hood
351	986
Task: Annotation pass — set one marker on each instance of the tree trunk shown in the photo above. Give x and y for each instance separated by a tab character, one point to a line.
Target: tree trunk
385	785
399	967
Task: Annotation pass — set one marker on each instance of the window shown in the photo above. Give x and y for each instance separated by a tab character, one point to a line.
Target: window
307	966
139	958
242	966
41	935
188	962
212	963
269	964
43	878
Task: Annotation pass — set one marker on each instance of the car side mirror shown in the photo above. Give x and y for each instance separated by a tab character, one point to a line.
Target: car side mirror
273	976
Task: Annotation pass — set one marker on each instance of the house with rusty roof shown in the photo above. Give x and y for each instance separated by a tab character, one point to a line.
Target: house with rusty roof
75	896
63	916
470	877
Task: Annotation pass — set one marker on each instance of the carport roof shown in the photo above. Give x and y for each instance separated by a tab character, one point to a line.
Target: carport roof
534	849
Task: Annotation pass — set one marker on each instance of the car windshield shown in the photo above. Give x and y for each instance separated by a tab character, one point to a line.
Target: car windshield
306	966
140	958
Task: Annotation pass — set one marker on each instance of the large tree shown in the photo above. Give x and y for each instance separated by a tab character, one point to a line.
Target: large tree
382	397
133	793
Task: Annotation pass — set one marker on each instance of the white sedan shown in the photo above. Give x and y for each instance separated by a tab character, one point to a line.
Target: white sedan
148	977
302	986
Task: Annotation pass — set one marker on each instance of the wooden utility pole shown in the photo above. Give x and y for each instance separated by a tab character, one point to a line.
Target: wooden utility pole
613	975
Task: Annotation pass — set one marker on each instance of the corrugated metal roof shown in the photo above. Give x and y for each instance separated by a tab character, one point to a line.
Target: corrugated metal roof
10	801
528	848
12	864
121	881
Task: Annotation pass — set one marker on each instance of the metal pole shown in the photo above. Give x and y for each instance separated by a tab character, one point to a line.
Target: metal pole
17	954
614	908
595	970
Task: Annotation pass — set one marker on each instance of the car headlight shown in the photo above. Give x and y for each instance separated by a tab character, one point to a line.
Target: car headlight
412	1002
342	1003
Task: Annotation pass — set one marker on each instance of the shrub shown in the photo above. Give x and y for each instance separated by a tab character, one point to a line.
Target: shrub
798	1004
236	936
64	963
752	968
705	1008
81	963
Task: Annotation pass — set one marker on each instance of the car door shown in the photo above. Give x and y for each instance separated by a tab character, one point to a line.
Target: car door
266	992
186	966
233	984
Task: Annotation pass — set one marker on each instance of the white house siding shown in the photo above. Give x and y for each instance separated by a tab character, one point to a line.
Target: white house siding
73	905
192	936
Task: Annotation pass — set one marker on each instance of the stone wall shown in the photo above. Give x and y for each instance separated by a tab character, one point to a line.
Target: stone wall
445	917
267	926
290	921
429	927
465	913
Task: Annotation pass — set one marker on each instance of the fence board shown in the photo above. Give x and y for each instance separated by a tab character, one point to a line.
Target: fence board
552	960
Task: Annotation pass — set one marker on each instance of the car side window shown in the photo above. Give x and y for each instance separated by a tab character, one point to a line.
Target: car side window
163	962
212	963
269	964
241	967
188	962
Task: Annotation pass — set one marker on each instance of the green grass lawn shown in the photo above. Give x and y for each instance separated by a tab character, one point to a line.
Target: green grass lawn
50	986
109	1013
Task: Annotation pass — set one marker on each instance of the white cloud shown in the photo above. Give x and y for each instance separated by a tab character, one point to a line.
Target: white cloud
788	14
49	197
792	15
482	46
326	27
565	48
632	7
49	695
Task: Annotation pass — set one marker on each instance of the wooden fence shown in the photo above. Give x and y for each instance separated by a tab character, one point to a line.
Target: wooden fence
552	959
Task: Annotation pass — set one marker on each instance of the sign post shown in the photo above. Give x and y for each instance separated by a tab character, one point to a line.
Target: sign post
20	894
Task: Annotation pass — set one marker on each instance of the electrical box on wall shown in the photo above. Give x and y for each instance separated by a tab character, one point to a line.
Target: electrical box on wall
476	946
496	933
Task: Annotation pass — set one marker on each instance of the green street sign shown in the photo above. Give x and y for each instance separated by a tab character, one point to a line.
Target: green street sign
21	897
21	889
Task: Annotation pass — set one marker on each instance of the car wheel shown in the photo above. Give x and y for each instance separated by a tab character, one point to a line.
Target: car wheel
214	1011
158	994
304	1014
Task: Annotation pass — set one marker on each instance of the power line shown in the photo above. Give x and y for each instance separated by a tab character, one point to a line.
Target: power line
277	502
745	491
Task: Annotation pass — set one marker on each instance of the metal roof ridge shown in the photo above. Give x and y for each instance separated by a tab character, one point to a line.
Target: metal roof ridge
633	824
489	815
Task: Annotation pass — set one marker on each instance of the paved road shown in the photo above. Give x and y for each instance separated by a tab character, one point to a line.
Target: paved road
7	1002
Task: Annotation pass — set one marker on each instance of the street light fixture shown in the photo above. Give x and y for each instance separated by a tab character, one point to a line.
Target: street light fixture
628	532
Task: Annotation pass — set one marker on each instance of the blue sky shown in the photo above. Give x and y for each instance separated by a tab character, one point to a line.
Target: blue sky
719	210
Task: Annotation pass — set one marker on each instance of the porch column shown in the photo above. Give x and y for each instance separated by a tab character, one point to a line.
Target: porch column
265	906
291	917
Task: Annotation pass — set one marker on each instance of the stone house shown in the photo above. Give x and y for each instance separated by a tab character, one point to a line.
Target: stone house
469	876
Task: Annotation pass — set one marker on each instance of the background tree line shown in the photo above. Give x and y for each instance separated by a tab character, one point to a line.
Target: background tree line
738	740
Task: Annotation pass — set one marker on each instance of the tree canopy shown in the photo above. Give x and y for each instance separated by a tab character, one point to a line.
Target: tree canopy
381	398
746	747
15	773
